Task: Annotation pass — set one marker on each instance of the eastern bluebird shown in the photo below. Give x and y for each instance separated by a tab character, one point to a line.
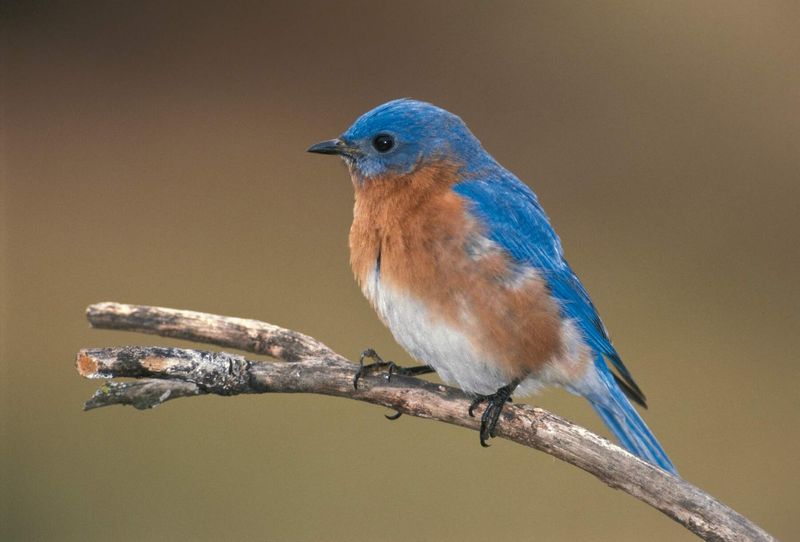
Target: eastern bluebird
460	261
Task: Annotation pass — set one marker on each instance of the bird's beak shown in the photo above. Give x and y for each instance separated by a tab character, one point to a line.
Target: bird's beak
332	146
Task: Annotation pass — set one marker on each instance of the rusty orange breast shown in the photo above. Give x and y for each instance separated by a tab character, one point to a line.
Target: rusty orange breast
418	234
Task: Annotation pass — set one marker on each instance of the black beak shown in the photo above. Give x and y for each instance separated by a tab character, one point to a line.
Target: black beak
332	146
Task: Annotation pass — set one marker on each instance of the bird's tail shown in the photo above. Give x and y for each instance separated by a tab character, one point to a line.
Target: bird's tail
609	401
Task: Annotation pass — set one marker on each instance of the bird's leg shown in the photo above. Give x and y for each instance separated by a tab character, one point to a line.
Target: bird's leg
494	407
392	369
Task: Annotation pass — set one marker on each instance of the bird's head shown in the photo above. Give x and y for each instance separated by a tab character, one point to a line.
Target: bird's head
399	136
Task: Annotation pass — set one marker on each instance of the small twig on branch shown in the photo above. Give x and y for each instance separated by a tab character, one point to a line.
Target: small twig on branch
168	373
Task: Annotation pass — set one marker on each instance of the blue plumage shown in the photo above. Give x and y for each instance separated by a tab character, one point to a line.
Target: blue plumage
621	417
515	220
416	138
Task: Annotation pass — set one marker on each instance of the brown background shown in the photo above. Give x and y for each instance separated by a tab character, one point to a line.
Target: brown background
156	155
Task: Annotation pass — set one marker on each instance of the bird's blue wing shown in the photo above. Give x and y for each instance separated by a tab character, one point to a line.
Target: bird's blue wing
515	220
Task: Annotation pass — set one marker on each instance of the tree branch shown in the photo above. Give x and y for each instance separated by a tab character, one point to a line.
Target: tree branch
227	331
167	373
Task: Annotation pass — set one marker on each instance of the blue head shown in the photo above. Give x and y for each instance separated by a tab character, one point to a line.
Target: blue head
397	137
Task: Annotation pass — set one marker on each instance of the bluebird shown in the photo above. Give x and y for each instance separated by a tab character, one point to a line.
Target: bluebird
459	260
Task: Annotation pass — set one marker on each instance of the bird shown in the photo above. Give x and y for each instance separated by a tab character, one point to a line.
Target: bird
461	263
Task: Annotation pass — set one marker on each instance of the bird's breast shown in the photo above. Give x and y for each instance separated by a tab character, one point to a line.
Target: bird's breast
448	293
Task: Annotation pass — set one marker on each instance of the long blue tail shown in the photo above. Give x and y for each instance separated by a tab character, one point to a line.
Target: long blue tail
621	417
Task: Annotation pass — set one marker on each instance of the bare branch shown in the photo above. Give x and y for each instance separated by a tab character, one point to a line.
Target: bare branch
227	331
167	373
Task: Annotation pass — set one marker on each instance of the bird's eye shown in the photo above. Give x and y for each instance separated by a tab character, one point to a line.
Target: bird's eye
383	142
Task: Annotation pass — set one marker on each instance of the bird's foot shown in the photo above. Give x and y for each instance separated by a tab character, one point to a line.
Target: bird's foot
391	369
494	407
378	365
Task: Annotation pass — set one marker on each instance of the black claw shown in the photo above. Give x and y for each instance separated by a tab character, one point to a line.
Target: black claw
365	369
475	402
392	367
370	353
494	408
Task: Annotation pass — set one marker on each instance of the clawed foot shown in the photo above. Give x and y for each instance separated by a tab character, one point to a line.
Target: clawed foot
494	407
391	369
378	365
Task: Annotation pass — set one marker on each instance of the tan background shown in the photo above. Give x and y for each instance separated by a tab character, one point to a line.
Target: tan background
156	155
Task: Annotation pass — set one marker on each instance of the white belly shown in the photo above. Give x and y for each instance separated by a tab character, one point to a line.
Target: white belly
432	341
449	350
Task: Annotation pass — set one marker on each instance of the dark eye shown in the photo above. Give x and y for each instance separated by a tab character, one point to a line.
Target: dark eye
383	142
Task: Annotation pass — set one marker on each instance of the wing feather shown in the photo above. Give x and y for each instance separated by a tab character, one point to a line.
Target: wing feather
515	220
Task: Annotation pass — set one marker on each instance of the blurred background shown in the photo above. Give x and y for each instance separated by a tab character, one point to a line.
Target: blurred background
153	153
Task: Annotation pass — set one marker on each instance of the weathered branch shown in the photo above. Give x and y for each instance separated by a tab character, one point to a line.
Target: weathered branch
168	373
227	331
